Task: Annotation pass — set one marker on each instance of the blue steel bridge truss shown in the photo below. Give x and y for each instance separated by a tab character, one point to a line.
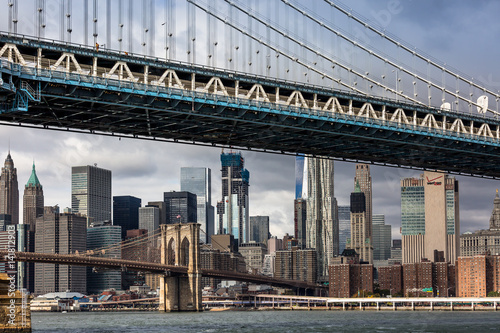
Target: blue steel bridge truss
359	128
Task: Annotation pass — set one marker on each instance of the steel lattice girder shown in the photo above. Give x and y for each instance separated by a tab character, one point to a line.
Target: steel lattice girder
211	119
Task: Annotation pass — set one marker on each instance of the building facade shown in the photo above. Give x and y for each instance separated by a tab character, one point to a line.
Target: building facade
322	224
180	207
259	229
483	241
33	201
126	213
348	280
344	226
299	221
364	180
91	193
382	238
233	209
430	219
296	264
103	235
199	182
391	278
9	191
361	240
60	233
253	253
478	275
149	219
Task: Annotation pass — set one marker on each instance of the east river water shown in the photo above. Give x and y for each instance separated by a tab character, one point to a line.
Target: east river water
267	321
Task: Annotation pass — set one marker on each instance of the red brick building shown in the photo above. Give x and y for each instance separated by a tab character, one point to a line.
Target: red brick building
427	279
347	280
391	278
478	275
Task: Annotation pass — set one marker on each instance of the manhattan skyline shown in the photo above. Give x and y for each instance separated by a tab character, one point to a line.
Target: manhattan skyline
146	169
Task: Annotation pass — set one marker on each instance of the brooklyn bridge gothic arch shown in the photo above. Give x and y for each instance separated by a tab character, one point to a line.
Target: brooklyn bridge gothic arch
180	246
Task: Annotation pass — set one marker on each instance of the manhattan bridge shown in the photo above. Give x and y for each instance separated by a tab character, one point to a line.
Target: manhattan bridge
288	77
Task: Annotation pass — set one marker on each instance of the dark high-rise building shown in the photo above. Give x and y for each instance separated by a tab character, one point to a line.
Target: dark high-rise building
344	226
91	193
299	221
9	191
99	236
5	220
199	181
233	210
126	213
26	243
32	200
61	234
259	229
181	207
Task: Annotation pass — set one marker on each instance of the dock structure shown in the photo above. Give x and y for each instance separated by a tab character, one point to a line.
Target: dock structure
377	304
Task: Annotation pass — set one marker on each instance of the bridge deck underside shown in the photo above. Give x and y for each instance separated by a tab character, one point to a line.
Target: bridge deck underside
227	124
221	123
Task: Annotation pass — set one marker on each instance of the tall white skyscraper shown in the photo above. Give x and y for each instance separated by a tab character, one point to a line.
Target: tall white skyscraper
322	224
199	181
91	193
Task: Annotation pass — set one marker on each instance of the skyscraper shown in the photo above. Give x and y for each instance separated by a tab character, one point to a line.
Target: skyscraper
149	218
299	221
430	219
364	180
233	211
9	191
382	238
181	207
32	200
360	240
322	224
259	229
199	182
91	193
126	213
344	226
62	234
103	235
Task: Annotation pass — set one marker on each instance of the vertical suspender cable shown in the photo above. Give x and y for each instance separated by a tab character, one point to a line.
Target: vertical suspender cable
14	20
130	28
120	24
69	27
11	5
86	22
108	24
95	34
62	12
152	28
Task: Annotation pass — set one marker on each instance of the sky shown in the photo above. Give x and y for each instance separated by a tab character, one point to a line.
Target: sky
460	33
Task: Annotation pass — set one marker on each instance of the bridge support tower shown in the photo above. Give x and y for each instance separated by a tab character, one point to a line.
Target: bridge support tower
180	246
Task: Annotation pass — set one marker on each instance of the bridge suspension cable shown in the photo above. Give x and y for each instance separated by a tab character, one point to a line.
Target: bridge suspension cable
410	49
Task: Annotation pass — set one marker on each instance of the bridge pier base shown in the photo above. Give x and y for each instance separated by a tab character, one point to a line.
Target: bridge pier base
180	246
